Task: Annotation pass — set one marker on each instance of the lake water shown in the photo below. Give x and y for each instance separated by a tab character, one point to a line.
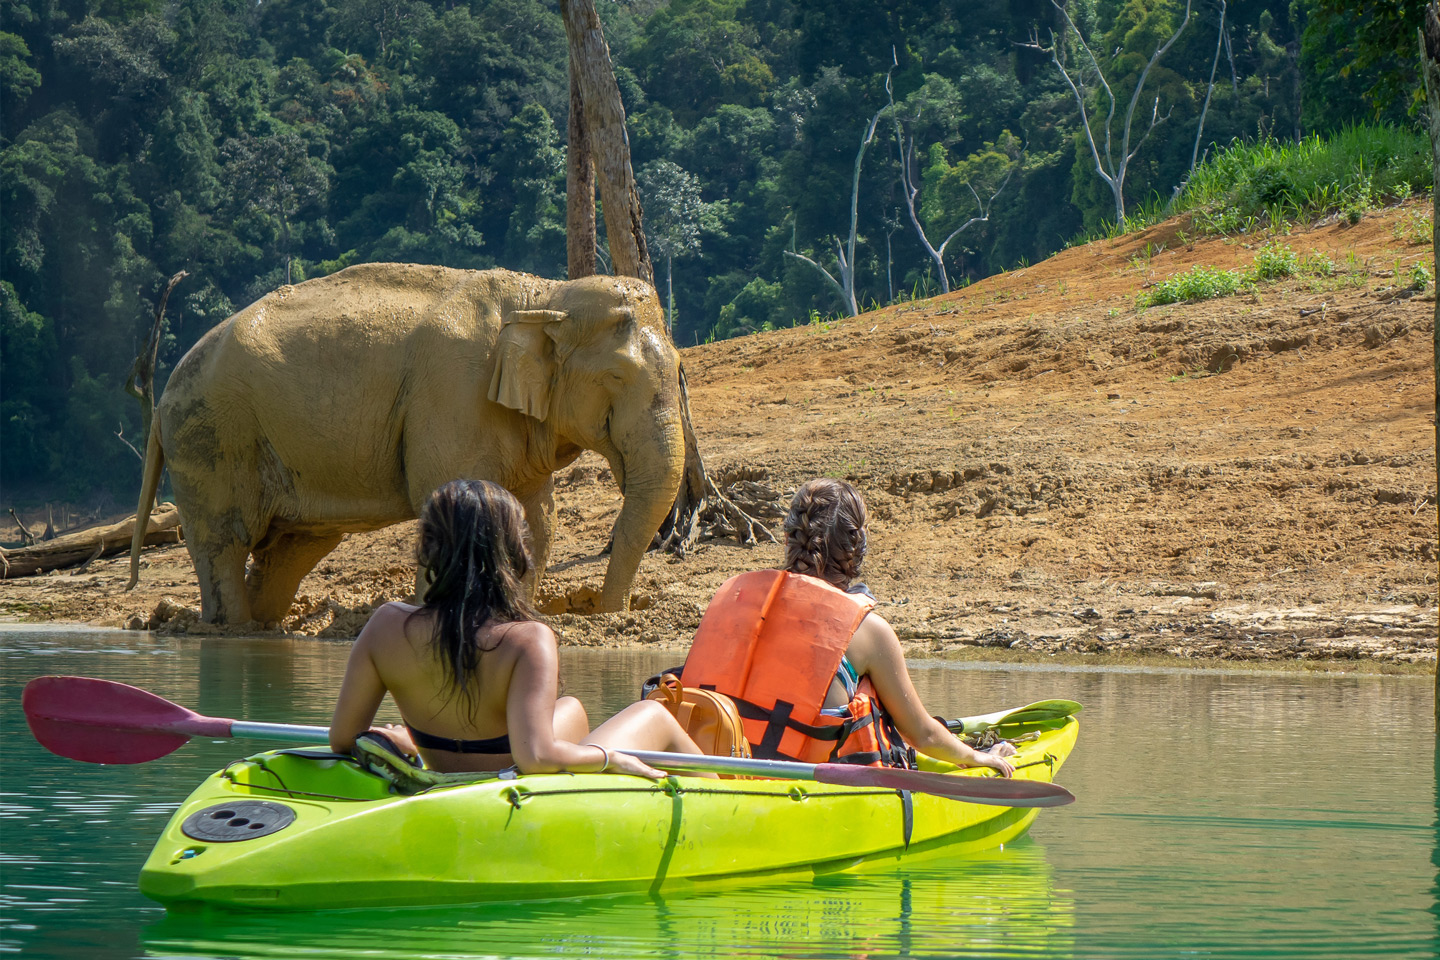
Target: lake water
1219	815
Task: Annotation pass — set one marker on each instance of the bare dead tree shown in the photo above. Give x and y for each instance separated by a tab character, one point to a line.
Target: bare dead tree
911	190
892	227
1221	39
580	243
1110	170
26	536
1430	70
604	120
845	253
1230	55
140	384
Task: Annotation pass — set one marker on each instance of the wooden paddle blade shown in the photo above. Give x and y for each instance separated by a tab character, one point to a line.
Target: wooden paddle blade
100	721
996	791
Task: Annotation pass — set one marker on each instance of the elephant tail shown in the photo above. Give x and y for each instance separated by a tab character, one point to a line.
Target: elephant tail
149	484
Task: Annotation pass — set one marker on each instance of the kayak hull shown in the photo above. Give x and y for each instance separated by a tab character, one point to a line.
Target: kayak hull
352	843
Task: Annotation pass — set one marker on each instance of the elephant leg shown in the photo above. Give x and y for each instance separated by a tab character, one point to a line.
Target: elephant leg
540	516
221	572
281	561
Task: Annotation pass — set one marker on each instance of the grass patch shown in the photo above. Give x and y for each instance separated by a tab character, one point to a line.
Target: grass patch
1414	228
1198	283
1352	171
1274	261
1269	184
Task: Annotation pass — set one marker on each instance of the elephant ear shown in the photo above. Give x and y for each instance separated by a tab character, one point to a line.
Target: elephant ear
533	345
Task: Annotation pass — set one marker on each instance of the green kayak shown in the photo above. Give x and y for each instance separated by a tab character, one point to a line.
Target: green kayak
299	829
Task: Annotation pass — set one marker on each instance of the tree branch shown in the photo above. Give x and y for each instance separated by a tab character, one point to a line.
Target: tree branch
839	290
910	191
1115	174
121	434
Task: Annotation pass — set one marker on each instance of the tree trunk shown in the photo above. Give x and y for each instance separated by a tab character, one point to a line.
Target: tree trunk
600	149
1430	69
604	118
87	545
579	189
141	382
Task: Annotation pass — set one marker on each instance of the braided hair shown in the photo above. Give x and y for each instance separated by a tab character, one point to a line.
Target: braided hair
825	531
473	550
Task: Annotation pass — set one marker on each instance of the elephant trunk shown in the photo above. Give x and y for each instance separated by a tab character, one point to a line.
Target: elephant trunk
649	467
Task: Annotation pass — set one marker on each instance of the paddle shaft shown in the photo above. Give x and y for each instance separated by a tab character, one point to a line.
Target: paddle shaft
669	762
739	766
288	732
967	789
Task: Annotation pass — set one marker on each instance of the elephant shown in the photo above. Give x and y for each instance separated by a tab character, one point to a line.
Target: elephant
339	404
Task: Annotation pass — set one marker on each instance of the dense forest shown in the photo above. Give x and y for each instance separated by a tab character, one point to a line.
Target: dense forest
258	142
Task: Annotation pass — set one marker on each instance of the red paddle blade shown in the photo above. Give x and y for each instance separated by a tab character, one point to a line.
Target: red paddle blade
100	721
996	791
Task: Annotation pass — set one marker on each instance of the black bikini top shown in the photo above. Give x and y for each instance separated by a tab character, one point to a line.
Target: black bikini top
492	745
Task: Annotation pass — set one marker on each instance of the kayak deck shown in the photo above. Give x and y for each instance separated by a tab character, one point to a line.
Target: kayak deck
348	841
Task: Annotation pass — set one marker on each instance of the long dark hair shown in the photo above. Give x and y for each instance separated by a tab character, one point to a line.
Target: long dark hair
825	531
473	550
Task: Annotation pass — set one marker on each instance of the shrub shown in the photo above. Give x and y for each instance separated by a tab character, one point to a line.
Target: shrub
1275	260
1198	283
1419	277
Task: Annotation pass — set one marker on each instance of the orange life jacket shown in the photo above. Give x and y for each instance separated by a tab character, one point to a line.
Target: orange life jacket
772	642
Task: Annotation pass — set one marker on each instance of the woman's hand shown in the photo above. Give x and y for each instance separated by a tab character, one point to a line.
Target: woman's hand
1003	749
399	736
997	763
626	764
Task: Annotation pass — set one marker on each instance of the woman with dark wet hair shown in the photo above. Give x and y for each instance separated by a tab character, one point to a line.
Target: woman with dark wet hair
473	670
818	675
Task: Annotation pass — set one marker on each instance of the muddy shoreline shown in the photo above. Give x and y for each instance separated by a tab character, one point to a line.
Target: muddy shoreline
1053	475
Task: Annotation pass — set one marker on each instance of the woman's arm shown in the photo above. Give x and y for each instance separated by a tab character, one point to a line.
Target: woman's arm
875	652
362	689
530	712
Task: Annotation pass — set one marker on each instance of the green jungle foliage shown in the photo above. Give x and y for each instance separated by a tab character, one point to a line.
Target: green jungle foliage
254	142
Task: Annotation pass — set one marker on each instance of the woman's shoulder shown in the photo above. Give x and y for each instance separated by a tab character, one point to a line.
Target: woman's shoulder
387	623
874	625
396	608
873	640
520	635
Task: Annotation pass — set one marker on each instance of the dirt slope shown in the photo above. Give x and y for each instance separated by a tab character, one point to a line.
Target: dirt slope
1050	470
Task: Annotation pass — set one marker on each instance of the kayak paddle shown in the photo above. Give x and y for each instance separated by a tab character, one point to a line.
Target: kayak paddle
1030	713
998	791
101	721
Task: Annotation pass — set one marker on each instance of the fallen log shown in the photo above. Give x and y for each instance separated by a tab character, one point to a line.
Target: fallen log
86	546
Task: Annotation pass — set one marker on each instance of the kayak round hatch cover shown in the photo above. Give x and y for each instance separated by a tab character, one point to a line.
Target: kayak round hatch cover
241	820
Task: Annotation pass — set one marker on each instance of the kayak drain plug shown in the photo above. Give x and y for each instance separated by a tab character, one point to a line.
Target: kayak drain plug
239	820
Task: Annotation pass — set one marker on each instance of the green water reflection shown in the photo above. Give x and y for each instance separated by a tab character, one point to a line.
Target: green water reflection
999	903
1219	816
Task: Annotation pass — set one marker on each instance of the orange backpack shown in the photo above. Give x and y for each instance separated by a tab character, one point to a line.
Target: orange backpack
709	717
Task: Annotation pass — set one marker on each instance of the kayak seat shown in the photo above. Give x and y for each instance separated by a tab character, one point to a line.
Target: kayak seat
379	755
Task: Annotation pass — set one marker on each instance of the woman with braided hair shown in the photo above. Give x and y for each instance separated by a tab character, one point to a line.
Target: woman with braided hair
816	674
473	670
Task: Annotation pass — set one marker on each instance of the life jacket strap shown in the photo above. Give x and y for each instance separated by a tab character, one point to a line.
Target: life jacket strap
780	720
